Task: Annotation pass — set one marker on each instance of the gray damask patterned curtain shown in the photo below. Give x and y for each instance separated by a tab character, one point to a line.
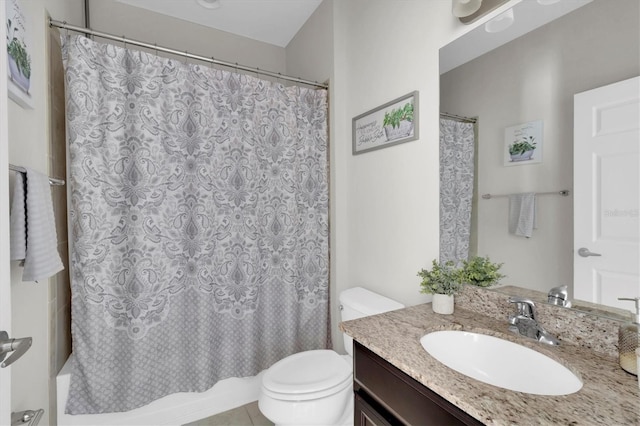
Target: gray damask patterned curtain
199	215
456	189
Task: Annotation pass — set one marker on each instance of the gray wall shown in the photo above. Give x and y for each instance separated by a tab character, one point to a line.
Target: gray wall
535	78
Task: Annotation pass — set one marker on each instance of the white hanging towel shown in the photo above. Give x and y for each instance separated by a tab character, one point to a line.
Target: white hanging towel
33	228
522	214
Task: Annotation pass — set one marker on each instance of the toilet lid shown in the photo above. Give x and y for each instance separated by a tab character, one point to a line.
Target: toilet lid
309	374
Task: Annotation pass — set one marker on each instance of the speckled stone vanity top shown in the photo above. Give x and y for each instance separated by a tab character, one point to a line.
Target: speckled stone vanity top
610	396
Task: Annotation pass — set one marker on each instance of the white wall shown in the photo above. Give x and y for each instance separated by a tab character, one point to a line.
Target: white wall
310	52
535	78
392	193
384	204
29	146
135	23
5	287
380	214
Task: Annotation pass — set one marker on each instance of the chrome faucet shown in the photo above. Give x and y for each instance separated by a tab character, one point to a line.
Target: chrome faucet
524	322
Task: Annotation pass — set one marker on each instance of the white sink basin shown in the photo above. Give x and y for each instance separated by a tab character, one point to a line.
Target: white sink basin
500	363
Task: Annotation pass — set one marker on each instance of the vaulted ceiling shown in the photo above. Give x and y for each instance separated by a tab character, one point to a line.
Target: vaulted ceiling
271	21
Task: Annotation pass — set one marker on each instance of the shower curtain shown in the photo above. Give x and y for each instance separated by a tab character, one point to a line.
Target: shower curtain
199	217
457	149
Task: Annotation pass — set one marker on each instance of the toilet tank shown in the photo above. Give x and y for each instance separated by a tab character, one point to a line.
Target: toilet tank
358	302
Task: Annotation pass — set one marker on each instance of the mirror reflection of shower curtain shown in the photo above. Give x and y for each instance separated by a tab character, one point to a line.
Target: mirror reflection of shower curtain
457	151
199	217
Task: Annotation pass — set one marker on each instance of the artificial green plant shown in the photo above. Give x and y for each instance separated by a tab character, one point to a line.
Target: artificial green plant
448	279
441	279
395	116
520	147
480	271
18	50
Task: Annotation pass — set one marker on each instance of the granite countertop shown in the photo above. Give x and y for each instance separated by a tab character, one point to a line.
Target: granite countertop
609	396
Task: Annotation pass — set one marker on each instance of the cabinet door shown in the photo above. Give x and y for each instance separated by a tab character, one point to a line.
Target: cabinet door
367	415
407	400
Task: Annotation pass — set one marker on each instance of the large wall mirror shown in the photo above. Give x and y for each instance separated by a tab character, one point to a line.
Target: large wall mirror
531	81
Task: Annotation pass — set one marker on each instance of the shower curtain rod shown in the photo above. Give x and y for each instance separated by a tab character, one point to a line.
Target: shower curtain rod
458	117
156	48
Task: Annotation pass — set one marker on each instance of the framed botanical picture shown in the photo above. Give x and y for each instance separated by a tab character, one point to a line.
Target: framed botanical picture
389	124
18	55
523	144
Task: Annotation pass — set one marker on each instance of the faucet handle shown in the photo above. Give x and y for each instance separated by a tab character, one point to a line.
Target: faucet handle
524	306
559	296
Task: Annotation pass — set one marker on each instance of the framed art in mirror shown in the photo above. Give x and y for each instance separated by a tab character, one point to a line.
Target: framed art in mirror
523	144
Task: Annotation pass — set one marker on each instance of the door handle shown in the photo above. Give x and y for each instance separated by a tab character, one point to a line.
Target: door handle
584	252
17	346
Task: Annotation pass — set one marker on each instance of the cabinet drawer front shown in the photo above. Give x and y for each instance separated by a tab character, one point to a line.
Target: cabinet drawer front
368	413
407	399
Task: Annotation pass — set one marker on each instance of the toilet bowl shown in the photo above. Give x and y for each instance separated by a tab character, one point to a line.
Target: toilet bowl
316	387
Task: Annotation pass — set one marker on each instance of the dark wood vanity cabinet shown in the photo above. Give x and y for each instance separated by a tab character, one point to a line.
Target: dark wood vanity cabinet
384	395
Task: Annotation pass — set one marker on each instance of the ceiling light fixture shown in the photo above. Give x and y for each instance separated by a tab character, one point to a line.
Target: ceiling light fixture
500	22
462	8
209	4
547	2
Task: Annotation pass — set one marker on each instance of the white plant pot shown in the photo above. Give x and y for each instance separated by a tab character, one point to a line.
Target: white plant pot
404	130
525	156
442	304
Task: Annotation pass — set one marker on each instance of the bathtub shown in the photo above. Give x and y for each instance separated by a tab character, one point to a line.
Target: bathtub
175	409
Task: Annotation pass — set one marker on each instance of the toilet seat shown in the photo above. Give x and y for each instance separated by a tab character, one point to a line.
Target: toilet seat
307	375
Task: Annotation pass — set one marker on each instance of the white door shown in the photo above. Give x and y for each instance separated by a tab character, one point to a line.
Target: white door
5	287
606	193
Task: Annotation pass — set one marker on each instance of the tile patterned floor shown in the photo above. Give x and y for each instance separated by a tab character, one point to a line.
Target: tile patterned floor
247	415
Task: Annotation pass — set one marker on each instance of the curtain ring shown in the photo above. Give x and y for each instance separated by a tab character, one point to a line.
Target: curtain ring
186	57
257	72
66	29
124	41
155	45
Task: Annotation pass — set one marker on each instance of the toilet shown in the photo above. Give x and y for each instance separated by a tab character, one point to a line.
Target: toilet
316	387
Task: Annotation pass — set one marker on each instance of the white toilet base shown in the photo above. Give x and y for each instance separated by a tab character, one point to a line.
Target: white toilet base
282	386
336	409
347	416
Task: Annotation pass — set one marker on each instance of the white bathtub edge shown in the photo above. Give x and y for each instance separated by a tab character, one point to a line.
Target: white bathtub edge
175	409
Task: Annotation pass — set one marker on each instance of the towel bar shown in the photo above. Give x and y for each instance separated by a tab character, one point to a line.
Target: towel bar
52	181
564	193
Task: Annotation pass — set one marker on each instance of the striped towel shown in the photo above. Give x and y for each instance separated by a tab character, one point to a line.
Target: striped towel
33	229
